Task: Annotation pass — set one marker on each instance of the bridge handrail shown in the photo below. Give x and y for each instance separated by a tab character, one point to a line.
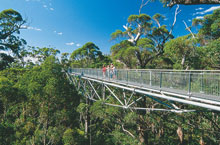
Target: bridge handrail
162	70
198	83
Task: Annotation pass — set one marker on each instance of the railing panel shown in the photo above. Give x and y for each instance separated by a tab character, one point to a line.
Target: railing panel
201	84
146	78
175	81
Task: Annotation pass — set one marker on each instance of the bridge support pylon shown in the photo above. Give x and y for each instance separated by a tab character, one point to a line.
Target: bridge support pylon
122	96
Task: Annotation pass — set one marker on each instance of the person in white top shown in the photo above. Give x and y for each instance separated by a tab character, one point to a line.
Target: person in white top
107	69
113	72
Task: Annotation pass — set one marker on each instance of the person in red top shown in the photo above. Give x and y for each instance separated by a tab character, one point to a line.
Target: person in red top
103	71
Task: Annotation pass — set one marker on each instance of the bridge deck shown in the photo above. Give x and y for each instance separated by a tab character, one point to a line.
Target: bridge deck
198	84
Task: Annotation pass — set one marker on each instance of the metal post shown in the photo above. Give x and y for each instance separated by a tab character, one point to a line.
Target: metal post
160	80
150	78
201	89
116	75
127	76
97	73
171	79
141	81
108	73
103	92
189	83
218	94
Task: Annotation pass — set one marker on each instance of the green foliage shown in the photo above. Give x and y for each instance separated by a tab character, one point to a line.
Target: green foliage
158	16
73	136
89	55
171	3
10	24
121	138
65	60
124	52
42	53
184	53
6	133
146	41
210	25
197	22
5	60
211	58
142	18
38	105
68	137
116	34
41	105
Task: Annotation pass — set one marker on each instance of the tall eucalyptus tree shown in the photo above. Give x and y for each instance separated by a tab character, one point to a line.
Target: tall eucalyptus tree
10	24
145	38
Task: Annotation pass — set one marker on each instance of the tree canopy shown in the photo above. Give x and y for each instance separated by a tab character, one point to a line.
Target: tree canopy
210	25
171	3
10	24
146	38
40	105
89	55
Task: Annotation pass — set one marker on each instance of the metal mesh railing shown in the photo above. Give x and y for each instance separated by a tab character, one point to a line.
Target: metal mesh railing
201	84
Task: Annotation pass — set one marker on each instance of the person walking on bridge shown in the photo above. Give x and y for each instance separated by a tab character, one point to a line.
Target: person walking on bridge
113	71
108	70
103	71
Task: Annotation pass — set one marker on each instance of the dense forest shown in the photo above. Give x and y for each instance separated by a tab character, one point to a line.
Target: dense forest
39	105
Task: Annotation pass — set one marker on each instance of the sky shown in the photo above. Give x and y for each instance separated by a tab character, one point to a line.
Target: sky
69	24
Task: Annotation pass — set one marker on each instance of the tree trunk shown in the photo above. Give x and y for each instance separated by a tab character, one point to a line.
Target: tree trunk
87	123
143	136
180	134
183	60
2	111
201	142
24	112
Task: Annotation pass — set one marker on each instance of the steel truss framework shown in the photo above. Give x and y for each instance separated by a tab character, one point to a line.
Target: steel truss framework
130	97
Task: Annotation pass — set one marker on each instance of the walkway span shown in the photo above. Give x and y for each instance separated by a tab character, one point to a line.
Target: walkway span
198	88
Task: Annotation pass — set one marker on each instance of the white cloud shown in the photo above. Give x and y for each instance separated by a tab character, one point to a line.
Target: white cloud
199	17
208	10
24	27
32	0
34	28
45	4
31	28
78	45
70	44
199	9
9	52
31	59
195	13
47	8
212	9
60	33
26	59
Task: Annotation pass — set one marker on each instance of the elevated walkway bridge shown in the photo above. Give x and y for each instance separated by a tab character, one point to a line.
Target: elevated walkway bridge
168	88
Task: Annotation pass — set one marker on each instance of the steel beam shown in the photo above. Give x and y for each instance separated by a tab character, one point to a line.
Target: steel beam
155	93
